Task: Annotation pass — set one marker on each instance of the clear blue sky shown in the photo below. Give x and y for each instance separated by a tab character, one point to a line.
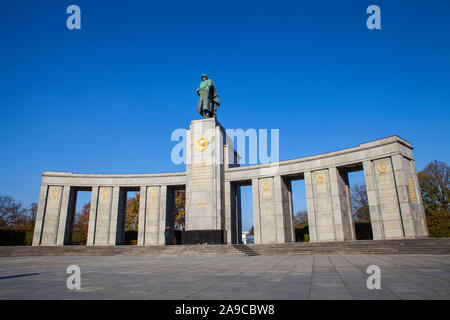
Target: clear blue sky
105	99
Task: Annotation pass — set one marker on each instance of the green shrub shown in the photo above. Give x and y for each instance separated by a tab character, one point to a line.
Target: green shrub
301	232
306	238
28	241
439	226
79	237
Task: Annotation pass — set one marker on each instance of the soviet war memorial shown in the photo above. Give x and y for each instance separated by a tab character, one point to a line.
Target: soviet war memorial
212	181
259	153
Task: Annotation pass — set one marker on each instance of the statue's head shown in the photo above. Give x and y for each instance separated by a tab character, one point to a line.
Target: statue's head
204	77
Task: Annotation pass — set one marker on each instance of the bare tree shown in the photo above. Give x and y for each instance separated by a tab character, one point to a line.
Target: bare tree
10	211
360	203
14	216
435	188
301	219
32	210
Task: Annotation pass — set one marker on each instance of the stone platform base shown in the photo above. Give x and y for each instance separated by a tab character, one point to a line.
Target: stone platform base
416	246
202	237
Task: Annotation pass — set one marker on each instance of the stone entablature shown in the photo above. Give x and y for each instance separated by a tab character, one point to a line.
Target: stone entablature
213	196
125	180
364	152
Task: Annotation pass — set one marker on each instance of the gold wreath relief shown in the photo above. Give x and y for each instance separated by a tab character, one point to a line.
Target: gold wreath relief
55	192
152	192
320	177
266	184
201	144
105	193
381	167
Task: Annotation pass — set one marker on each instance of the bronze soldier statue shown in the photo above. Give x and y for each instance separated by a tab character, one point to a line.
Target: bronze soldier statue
209	100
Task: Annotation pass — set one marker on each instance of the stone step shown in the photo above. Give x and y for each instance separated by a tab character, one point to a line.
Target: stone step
403	246
245	249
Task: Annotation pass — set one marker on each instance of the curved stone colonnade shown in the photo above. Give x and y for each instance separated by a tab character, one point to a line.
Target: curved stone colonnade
54	219
395	204
396	209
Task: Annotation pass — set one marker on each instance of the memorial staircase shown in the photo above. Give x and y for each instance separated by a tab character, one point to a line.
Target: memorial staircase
404	246
245	250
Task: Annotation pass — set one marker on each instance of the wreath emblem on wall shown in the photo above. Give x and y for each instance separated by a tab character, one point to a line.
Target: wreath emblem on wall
320	177
266	184
105	193
152	192
382	167
201	144
55	192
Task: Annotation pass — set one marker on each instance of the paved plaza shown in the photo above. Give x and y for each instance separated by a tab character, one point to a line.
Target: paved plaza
221	277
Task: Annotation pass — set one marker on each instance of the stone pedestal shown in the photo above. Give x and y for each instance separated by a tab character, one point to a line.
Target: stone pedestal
203	236
205	190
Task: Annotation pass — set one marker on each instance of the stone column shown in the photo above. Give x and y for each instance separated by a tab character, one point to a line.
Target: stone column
321	201
189	186
92	216
413	217
342	210
269	222
103	219
372	198
238	214
162	214
170	214
229	208
63	216
70	222
283	209
233	215
329	205
142	213
256	212
313	237
38	226
291	210
51	216
152	215
387	199
218	179
115	220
